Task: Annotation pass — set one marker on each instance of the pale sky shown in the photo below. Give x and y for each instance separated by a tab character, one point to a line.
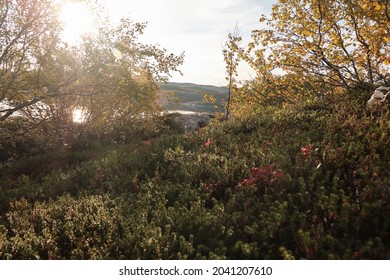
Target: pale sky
197	27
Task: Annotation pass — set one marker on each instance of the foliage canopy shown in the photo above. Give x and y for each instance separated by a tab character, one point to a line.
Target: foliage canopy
320	47
109	74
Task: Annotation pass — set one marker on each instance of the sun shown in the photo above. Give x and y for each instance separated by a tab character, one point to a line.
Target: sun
79	115
77	20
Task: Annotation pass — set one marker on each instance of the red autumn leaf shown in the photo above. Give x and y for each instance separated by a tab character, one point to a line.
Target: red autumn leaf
207	143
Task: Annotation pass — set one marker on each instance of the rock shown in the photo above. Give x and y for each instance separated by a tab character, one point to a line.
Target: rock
378	97
191	122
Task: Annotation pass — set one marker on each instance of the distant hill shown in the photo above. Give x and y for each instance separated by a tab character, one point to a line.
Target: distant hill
189	97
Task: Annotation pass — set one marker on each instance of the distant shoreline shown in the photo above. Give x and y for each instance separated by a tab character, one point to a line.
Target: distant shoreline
188	98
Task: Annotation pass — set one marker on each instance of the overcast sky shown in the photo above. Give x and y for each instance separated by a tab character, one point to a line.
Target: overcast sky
197	27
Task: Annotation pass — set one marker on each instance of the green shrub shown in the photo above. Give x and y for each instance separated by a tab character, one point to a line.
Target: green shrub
83	228
295	182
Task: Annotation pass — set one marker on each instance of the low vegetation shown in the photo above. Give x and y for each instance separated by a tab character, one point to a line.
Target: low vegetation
295	182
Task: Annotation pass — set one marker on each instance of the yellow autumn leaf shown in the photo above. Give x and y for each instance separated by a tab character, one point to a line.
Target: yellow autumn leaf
377	6
307	33
364	5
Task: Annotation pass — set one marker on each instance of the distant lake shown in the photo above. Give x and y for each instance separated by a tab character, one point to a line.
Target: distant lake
182	112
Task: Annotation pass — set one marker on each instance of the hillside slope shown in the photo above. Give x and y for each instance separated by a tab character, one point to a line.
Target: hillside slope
287	183
189	97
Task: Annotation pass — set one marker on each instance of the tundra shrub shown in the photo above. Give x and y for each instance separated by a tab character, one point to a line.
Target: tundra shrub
69	228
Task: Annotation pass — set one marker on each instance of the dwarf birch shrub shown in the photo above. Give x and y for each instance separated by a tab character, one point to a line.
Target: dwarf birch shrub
69	228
